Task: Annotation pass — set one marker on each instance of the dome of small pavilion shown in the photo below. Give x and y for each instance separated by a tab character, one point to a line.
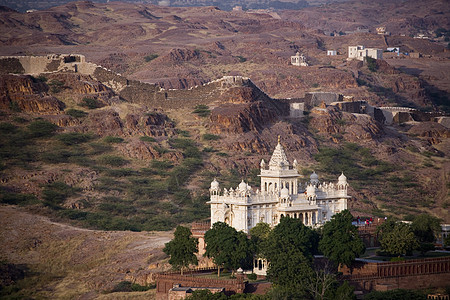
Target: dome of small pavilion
214	184
284	192
342	179
314	178
310	190
242	186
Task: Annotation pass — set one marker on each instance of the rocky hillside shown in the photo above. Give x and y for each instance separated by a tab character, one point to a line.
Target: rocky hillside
108	155
201	93
185	47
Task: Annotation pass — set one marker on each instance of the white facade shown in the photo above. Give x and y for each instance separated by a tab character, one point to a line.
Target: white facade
281	194
299	60
331	52
360	52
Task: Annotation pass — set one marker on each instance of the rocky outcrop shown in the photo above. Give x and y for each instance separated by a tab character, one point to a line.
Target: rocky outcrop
145	151
240	118
27	94
151	124
328	120
178	55
433	132
108	121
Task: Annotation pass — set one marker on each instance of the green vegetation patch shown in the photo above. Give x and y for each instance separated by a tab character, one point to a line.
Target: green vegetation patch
113	161
41	128
54	194
201	110
90	103
73	138
113	139
147	139
76	113
150	57
210	137
355	161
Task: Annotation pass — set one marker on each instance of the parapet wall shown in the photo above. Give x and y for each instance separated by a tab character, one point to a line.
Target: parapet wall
164	282
408	274
41	64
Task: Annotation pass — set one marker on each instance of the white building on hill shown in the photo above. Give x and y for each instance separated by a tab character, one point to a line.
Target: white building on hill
360	52
299	60
281	194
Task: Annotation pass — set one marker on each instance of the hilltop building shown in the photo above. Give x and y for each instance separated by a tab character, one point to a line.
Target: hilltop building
299	60
281	194
360	52
331	52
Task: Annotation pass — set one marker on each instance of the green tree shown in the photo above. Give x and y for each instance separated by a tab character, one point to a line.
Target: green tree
228	248
387	226
425	228
259	234
182	249
340	241
289	249
399	241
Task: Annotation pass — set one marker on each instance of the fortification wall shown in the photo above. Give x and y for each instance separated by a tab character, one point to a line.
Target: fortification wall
408	274
41	64
164	282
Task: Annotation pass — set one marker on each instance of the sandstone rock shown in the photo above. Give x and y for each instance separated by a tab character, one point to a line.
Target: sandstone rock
150	124
433	132
27	94
240	118
178	55
138	149
354	127
104	122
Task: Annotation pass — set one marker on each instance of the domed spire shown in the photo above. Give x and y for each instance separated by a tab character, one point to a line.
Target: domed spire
242	186
310	190
214	184
342	179
314	178
278	161
284	192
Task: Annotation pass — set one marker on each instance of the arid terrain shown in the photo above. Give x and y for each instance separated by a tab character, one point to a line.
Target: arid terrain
88	160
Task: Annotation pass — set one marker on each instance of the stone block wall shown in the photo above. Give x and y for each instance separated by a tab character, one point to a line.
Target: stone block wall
408	274
164	282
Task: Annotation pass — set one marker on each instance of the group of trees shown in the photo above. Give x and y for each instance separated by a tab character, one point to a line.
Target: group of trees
289	247
399	238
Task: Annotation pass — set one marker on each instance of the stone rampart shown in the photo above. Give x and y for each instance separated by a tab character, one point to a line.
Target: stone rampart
166	281
41	64
408	274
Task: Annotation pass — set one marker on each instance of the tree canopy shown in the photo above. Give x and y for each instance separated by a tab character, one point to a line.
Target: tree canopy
399	241
182	249
259	235
289	248
228	248
425	228
340	241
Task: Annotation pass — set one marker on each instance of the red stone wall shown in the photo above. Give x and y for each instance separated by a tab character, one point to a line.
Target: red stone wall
164	282
409	274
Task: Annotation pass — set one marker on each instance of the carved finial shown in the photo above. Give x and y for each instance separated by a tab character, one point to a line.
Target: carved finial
279	139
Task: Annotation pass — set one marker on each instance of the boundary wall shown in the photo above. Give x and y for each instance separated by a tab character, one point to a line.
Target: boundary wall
166	281
408	274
